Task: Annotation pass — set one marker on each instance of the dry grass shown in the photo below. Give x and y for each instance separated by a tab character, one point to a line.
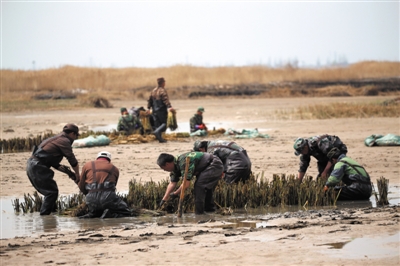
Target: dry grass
343	110
19	87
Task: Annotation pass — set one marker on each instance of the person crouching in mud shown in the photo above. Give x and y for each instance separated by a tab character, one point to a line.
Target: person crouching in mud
98	182
208	170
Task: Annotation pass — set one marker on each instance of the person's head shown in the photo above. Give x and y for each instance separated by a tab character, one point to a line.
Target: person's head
71	130
200	110
334	154
104	154
166	162
300	146
161	82
124	111
200	145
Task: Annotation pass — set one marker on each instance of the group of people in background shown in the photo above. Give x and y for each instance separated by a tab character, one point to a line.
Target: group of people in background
158	107
208	162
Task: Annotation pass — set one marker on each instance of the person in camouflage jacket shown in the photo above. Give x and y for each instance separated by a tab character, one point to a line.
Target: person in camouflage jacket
318	147
237	164
357	182
128	123
196	121
159	103
207	169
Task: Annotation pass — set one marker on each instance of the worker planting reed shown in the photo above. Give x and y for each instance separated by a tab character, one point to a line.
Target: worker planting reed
258	191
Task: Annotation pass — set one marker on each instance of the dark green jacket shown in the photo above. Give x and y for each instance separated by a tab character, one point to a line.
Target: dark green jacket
195	120
198	162
129	123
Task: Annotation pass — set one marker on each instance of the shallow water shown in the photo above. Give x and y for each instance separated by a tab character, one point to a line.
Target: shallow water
19	225
366	247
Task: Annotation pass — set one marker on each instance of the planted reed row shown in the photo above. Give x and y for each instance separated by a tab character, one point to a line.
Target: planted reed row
282	190
26	144
22	144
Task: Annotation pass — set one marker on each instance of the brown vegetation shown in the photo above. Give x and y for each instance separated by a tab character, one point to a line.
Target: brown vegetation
76	87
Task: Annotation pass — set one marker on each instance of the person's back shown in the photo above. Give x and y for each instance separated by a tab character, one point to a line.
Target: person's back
352	174
98	182
348	171
237	164
223	149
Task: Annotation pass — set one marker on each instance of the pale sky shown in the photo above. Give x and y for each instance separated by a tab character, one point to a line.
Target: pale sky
118	34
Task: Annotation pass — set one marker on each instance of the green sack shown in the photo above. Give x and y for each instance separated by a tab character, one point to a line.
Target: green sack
380	140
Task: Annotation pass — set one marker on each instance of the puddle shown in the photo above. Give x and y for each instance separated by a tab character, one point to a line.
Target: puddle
19	225
366	247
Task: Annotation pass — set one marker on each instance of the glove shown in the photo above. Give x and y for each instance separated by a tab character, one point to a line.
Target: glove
325	188
199	126
161	203
65	169
172	196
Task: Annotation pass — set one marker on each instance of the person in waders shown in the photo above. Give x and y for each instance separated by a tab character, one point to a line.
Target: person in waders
207	169
98	182
357	183
237	164
50	153
318	147
159	105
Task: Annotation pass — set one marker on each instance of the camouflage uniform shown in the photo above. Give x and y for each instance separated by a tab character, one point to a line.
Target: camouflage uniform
195	120
358	183
208	170
318	147
159	103
129	124
237	164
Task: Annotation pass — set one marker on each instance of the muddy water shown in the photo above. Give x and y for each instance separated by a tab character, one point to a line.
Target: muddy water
18	225
365	247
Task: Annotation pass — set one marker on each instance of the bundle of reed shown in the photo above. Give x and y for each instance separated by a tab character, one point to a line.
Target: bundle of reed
383	189
172	123
214	132
145	120
135	138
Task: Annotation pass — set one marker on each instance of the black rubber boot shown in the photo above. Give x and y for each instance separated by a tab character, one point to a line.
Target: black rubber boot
159	131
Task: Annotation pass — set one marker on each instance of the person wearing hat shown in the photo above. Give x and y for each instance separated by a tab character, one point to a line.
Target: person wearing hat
207	169
357	182
50	153
318	147
237	164
159	105
128	123
98	182
196	122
